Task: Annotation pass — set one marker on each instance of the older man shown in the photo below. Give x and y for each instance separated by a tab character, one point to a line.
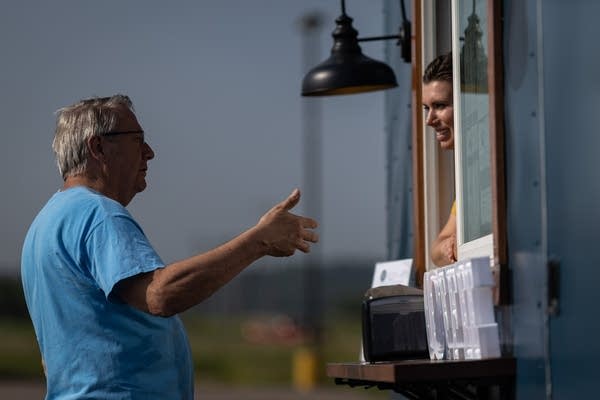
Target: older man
103	304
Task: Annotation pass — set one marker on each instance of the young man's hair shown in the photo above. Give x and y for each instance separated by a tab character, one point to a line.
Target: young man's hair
440	69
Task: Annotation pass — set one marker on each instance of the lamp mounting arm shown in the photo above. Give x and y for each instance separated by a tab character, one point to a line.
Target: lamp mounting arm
403	35
373	38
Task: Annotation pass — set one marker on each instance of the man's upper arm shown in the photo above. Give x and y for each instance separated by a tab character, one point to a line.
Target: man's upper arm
133	290
120	255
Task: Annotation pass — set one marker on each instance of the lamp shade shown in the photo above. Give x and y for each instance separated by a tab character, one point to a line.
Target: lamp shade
347	70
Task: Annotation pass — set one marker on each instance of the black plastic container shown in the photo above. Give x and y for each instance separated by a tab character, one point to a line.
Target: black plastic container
393	320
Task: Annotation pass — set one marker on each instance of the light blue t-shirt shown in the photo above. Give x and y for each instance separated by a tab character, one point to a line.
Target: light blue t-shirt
77	249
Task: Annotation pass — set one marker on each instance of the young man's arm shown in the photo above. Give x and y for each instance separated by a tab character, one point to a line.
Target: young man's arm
443	250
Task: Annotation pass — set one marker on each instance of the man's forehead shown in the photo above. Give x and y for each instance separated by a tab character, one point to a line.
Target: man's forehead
437	90
441	86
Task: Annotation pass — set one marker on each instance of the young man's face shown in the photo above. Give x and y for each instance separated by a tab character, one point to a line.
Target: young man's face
439	113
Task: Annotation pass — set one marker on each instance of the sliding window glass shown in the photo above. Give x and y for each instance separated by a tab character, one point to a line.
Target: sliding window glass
472	122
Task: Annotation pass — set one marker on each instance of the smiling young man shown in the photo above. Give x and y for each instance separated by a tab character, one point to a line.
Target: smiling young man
103	304
439	114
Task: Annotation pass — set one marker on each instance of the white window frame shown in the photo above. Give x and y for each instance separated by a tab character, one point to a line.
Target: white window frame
484	245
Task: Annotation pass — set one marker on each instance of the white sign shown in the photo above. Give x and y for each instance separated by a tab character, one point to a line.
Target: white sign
395	272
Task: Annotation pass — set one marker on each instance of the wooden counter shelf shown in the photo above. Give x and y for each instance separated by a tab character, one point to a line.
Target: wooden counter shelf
491	378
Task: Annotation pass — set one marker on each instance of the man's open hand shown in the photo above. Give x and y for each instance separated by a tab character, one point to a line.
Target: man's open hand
283	232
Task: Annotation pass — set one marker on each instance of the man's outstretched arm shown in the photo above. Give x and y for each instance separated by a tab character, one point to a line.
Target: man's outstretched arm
183	284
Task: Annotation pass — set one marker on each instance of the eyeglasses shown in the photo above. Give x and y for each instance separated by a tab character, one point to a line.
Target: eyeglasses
122	133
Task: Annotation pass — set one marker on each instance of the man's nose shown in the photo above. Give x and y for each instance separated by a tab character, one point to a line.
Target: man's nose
148	152
430	118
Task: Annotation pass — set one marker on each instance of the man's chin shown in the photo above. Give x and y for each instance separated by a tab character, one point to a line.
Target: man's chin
447	144
141	186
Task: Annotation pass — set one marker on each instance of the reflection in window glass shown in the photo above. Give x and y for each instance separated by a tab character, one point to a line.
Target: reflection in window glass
474	106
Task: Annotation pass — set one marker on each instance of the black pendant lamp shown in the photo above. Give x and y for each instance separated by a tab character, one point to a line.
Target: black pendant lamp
347	70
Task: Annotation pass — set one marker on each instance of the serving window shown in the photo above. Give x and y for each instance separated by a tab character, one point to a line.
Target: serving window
473	175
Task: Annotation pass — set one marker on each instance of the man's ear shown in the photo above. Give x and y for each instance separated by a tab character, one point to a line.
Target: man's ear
95	147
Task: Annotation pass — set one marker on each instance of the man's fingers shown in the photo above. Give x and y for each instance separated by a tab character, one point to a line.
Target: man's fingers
309	223
303	246
291	201
310	236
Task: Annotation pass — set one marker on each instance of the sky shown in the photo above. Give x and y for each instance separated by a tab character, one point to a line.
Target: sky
216	86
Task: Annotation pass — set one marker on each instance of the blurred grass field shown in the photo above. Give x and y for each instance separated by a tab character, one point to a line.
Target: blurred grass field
252	349
19	353
221	352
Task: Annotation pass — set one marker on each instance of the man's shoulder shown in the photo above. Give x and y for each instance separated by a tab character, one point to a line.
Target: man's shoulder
79	206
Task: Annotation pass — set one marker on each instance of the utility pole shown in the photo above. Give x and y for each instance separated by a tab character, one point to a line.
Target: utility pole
307	360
